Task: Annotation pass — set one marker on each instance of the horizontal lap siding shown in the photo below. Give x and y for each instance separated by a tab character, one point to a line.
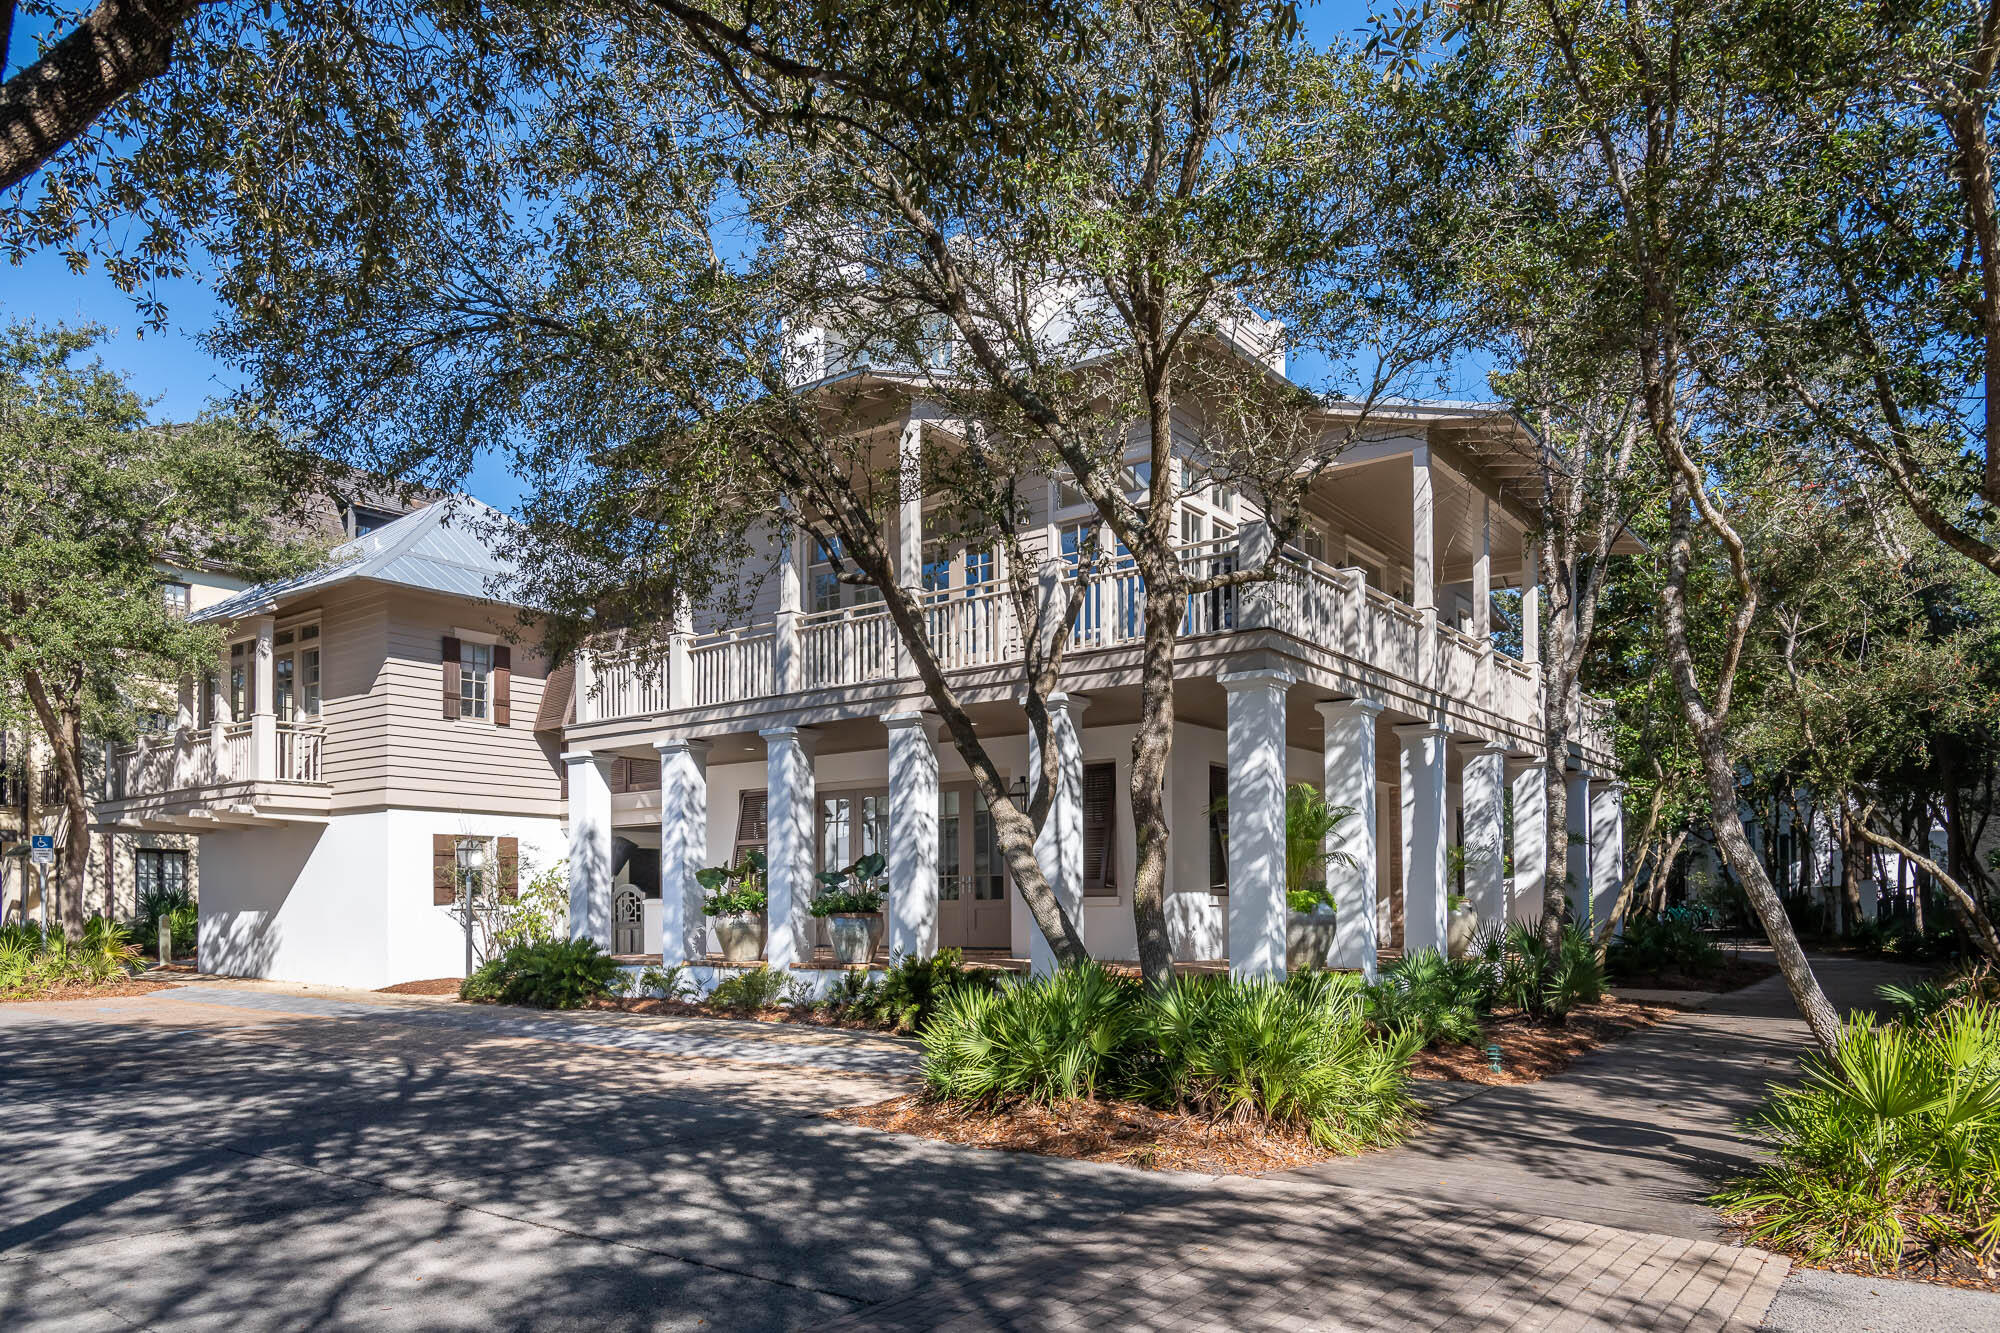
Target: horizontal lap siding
353	636
462	764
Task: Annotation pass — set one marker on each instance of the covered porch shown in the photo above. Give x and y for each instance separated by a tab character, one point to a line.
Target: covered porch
816	791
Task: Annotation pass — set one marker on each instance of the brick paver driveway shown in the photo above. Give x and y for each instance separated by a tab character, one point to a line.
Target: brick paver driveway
245	1158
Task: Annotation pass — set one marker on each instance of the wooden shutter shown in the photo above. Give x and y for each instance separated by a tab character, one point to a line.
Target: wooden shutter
1100	822
503	677
752	814
450	659
509	872
444	869
1218	828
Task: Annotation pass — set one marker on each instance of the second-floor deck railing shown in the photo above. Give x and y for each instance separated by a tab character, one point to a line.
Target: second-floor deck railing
982	626
218	756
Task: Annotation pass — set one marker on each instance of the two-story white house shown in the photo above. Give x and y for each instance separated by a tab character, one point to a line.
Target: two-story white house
1370	668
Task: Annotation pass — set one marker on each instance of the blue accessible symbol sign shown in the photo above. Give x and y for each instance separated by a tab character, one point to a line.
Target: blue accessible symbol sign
42	849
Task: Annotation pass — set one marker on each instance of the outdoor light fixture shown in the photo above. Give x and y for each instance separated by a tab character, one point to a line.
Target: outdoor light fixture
1493	1057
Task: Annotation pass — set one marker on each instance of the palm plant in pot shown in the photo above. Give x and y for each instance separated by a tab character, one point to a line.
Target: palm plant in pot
850	900
1309	907
735	899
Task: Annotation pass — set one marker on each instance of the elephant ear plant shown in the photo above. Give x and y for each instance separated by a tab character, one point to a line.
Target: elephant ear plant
729	890
852	890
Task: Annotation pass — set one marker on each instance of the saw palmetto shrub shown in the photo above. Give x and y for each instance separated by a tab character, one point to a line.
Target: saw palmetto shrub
550	974
1888	1153
1299	1054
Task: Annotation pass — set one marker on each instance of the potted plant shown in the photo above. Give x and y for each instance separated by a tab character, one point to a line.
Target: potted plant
1309	912
850	899
1309	928
735	899
1461	918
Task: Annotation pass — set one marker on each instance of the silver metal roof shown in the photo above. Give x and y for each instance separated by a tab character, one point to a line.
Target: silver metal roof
445	547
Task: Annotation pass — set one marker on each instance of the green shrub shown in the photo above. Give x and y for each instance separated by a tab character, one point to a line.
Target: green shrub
1888	1149
1047	1039
1295	1053
553	974
748	991
1439	999
669	983
912	990
1670	942
539	913
177	907
32	962
1545	981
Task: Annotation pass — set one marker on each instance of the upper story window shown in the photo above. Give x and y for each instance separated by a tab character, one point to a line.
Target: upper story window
475	678
978	568
937	569
241	663
176	595
295	693
823	581
363	519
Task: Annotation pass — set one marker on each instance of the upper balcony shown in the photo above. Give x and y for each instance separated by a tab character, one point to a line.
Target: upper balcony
255	772
1328	620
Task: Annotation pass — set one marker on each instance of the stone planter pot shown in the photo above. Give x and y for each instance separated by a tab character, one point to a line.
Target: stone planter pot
1309	939
739	935
1461	924
854	936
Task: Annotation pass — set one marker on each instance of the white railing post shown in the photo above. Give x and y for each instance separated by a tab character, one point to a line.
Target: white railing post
263	715
680	661
585	679
1256	603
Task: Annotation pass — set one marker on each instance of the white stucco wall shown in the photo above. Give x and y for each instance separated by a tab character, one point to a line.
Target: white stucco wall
347	903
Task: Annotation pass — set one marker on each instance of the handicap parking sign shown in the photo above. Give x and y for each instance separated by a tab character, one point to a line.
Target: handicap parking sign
42	849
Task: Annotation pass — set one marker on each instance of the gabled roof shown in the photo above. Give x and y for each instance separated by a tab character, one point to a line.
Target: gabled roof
439	548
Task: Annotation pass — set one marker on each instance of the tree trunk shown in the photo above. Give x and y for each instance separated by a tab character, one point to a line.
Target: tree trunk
1719	767
1978	926
1850	870
1152	748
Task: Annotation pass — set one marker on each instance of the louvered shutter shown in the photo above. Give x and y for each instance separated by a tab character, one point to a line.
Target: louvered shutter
751	820
509	870
503	680
444	869
1100	820
450	660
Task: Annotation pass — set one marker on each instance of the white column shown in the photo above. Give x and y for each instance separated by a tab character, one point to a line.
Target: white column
589	846
1257	822
1423	530
583	685
788	851
1483	788
1577	859
1607	849
909	526
263	719
683	848
785	660
1482	576
1350	782
1059	846
680	661
1424	888
1531	843
1531	600
1255	602
913	835
185	712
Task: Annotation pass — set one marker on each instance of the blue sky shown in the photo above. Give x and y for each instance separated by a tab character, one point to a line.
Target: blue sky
171	367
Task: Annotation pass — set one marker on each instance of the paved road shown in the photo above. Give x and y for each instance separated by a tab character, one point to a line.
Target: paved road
196	1159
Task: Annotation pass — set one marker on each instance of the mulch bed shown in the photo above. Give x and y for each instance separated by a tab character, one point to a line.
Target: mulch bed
435	986
1943	1268
1736	973
1531	1051
1097	1131
116	990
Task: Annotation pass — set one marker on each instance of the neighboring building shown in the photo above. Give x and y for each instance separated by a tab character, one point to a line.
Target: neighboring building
369	726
